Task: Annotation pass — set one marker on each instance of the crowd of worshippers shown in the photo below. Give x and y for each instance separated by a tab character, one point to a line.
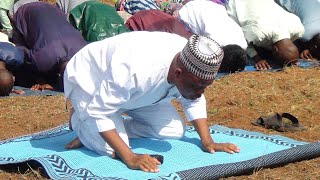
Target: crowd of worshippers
38	39
108	67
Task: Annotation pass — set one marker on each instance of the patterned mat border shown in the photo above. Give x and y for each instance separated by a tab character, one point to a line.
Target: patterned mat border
57	168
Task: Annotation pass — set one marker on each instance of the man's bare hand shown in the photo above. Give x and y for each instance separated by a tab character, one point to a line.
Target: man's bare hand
42	87
143	162
17	91
225	147
262	65
305	54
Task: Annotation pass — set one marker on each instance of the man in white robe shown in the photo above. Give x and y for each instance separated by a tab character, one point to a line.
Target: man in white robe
211	19
266	25
139	73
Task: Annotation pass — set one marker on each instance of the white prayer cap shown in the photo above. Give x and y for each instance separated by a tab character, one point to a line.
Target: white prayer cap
202	56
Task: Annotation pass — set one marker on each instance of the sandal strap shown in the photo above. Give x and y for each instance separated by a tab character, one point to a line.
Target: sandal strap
291	117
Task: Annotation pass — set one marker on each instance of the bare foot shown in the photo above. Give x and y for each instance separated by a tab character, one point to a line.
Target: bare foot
76	143
70	115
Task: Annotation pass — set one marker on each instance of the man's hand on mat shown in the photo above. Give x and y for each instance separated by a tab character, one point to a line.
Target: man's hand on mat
306	54
17	91
226	147
42	87
143	162
263	65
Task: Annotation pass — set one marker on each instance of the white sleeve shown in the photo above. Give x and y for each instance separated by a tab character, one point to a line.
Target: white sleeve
195	109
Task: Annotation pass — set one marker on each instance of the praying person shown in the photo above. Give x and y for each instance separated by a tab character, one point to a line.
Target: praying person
235	57
6	80
269	30
96	21
10	57
48	40
211	19
309	14
156	20
138	74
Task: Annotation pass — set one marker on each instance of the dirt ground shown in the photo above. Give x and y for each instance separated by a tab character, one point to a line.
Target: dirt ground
232	101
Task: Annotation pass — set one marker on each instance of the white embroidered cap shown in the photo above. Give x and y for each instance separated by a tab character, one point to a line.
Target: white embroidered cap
202	56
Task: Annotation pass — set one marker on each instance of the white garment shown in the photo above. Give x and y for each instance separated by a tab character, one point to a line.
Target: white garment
158	121
4	37
128	73
211	19
264	22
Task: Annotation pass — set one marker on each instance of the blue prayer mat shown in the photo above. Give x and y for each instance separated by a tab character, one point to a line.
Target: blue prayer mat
29	92
183	159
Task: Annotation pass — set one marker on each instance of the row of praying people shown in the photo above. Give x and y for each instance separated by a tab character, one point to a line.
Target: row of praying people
277	32
109	68
134	73
42	49
242	28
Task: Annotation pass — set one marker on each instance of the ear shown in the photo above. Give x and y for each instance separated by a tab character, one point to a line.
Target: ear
178	73
275	49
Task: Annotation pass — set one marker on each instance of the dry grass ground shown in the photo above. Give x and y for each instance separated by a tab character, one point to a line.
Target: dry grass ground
233	101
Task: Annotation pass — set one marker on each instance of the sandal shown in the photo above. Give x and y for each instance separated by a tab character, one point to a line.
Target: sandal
275	122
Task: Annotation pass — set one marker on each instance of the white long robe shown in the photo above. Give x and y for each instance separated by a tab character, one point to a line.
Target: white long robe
124	73
264	22
211	19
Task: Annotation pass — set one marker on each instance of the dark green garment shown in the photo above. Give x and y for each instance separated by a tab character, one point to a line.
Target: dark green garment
96	21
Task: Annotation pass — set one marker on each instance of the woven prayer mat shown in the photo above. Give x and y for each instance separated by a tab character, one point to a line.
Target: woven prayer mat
29	92
183	159
305	64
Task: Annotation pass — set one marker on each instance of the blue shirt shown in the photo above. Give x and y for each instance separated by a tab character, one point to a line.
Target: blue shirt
11	55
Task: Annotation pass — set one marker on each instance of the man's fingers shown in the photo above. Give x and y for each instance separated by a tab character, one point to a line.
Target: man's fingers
258	66
150	165
147	163
210	149
232	149
226	147
35	87
309	56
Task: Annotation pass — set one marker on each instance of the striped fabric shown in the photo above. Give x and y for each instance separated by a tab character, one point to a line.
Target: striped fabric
133	6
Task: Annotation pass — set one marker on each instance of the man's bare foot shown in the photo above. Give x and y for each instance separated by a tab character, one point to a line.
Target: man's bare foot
76	143
70	115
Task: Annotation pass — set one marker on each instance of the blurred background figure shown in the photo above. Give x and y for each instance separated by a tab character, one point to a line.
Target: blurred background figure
269	31
96	21
309	14
47	39
5	6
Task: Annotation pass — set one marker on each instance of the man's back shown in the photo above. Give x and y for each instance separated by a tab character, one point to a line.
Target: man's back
46	34
264	22
307	11
135	59
211	19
